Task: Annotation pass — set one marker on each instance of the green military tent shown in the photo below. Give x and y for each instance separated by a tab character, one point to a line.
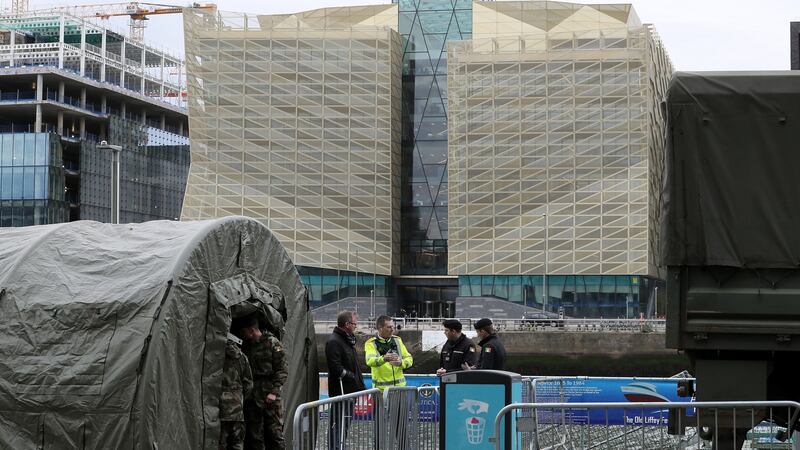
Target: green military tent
113	336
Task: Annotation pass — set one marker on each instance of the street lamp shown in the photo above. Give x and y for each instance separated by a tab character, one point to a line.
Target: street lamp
655	305
115	149
372	303
546	244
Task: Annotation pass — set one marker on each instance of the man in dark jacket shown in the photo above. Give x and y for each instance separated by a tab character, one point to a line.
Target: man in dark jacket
493	353
344	375
458	352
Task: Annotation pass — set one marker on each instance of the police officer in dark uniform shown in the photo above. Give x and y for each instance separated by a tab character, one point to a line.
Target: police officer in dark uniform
493	353
459	352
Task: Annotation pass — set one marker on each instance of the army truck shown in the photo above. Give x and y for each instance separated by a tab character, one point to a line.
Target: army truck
730	228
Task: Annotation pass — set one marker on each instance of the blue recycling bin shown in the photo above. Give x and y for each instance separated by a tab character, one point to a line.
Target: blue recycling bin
470	401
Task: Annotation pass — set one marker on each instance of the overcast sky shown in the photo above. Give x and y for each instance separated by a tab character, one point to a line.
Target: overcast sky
698	34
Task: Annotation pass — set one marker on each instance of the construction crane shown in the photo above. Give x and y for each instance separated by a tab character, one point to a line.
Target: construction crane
19	6
137	11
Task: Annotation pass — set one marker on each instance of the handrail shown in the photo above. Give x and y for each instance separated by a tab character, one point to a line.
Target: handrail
528	324
396	389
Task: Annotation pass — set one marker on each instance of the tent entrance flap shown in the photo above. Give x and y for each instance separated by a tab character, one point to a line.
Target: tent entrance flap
231	298
243	294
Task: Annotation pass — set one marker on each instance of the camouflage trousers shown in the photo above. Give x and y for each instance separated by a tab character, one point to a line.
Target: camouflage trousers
231	436
264	426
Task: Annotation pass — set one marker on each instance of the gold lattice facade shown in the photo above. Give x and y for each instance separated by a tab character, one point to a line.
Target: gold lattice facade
295	121
555	141
519	144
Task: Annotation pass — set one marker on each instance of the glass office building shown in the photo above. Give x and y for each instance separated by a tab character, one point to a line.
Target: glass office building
56	106
509	149
31	180
153	171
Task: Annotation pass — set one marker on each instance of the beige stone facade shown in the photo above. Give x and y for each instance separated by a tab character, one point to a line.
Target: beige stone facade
555	141
295	121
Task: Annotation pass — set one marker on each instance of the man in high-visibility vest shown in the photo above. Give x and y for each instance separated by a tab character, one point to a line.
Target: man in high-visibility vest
387	356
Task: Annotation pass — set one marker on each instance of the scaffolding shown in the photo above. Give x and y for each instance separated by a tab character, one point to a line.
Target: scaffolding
72	44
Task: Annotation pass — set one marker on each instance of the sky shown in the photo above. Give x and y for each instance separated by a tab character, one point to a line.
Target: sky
698	34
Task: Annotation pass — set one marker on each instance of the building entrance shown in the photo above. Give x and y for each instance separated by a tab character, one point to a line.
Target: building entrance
427	300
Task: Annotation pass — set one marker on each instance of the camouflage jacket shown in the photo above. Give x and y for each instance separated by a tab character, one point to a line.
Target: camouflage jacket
237	382
268	363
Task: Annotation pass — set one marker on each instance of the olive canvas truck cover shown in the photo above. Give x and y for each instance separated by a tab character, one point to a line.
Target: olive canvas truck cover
731	211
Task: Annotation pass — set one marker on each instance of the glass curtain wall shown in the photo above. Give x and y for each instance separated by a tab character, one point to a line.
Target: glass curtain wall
327	285
610	296
153	172
31	180
426	26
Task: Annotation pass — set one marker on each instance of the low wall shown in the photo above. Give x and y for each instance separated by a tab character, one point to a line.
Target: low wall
556	353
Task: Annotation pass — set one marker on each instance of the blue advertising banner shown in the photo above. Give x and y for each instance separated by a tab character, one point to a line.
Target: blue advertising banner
606	390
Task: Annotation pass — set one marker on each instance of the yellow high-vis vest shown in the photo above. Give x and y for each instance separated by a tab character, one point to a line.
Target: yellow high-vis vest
385	374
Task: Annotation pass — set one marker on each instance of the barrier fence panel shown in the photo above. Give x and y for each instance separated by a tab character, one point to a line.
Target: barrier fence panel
413	418
428	418
580	389
528	396
353	421
651	425
402	409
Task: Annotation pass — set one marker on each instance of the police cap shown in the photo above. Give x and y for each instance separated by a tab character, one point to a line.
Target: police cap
483	323
452	324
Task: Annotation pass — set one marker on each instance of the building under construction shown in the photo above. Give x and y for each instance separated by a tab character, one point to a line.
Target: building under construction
67	84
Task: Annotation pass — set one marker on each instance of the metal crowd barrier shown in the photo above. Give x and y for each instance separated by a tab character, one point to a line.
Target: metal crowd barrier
650	425
403	414
428	419
402	418
407	418
413	418
352	421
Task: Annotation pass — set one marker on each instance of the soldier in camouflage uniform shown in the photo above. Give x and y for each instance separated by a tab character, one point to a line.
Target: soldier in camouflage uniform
237	383
263	411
